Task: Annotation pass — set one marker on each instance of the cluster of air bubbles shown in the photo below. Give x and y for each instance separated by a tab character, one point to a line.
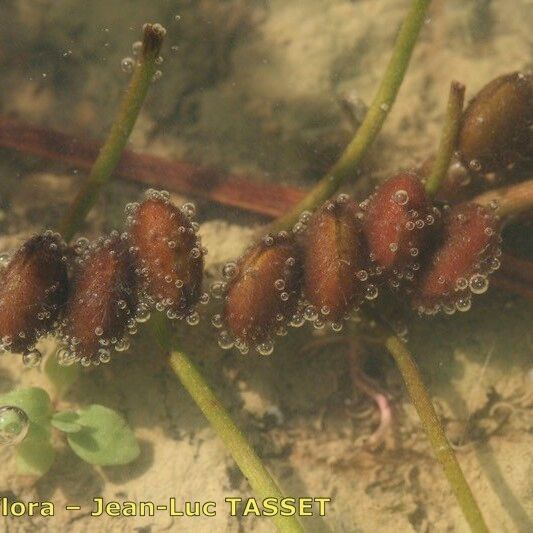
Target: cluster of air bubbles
302	223
14	425
68	353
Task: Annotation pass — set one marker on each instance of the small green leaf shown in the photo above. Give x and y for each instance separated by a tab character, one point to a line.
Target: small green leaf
66	421
105	438
34	401
35	455
62	377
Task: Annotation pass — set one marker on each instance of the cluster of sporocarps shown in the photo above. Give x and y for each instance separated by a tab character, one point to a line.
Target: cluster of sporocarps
93	294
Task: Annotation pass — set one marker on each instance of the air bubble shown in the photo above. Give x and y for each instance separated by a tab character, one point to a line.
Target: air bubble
478	284
297	321
127	65
32	358
217	321
371	292
142	314
218	289
121	346
225	341
136	48
265	348
463	304
188	209
14	425
461	284
310	313
401	197
362	275
229	270
193	319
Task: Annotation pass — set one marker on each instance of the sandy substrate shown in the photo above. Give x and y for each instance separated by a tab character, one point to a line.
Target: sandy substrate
259	87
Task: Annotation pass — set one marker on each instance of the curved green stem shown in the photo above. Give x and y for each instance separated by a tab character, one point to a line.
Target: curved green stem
448	140
235	441
121	129
435	432
372	123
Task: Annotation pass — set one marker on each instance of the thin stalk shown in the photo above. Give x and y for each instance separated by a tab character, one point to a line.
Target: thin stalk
233	438
117	138
448	141
508	201
435	432
372	123
236	443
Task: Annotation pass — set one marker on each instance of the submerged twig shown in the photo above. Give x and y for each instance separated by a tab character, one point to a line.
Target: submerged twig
203	182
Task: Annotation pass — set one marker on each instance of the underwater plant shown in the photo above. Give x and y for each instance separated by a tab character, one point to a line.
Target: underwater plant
309	268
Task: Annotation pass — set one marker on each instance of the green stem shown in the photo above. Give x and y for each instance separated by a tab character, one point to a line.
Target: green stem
448	141
372	123
435	432
117	138
236	443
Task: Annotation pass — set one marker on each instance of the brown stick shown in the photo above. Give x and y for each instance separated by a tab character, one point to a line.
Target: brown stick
202	182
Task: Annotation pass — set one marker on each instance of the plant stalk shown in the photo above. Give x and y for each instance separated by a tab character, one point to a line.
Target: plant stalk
372	123
117	138
236	443
508	201
448	141
435	432
233	438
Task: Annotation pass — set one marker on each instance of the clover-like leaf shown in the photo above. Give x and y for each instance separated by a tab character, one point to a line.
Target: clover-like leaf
66	421
34	401
35	454
105	438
